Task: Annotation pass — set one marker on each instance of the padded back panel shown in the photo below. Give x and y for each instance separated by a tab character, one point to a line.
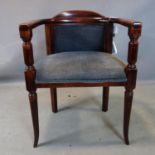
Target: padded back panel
78	38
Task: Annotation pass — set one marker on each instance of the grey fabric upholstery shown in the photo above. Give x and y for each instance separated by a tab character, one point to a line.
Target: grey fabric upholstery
78	38
81	66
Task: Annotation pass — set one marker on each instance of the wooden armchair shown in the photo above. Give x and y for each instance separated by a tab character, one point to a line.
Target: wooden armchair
79	49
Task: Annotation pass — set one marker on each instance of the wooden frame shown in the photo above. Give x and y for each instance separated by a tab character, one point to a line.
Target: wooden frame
80	17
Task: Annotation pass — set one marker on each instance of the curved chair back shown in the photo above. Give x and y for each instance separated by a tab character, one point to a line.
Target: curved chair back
79	31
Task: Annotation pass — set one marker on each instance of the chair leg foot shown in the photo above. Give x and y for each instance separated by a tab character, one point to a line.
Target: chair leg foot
36	142
54	100
105	99
34	113
127	112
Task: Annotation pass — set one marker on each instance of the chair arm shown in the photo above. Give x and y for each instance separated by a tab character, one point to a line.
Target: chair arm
25	30
134	32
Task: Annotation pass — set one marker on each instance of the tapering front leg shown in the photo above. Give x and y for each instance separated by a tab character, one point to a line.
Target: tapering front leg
105	99
34	113
30	76
131	74
127	111
54	99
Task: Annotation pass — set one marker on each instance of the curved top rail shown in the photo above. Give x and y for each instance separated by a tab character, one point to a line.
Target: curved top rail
77	13
79	16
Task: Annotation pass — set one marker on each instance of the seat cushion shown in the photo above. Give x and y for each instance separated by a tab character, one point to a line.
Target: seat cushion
80	67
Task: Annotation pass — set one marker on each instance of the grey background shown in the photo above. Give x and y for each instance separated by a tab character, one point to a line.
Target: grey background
13	12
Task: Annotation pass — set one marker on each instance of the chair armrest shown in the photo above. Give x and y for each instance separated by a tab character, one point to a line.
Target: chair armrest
125	22
25	30
32	24
134	32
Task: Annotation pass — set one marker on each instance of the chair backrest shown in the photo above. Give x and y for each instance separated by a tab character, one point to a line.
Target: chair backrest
79	31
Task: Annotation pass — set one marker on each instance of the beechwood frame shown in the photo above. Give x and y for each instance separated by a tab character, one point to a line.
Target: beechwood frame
80	17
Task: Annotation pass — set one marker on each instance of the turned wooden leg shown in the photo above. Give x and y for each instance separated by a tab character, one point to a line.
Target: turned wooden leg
34	113
127	111
105	99
54	100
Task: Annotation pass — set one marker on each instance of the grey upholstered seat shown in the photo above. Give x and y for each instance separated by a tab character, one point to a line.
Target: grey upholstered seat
87	67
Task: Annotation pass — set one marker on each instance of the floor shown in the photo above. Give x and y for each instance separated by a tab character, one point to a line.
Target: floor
79	127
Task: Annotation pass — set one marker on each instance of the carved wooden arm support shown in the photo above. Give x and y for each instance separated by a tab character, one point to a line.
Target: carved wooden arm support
134	32
131	70
30	72
26	34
